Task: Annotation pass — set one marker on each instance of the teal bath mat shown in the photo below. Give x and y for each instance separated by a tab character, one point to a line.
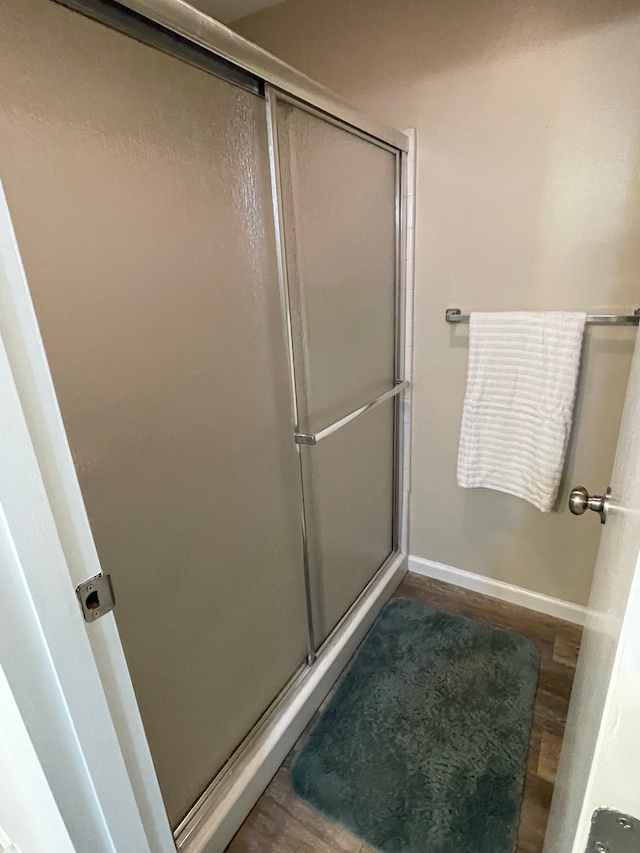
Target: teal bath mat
423	748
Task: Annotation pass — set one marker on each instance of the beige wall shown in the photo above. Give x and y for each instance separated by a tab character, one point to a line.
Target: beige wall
528	120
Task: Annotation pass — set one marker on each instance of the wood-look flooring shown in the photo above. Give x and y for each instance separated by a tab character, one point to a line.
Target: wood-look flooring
282	823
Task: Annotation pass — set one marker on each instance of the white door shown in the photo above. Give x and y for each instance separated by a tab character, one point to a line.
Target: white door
600	761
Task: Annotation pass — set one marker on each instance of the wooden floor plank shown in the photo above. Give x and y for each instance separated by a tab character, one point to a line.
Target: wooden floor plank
281	823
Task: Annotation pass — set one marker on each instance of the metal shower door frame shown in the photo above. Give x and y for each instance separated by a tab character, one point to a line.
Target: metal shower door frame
222	807
192	25
228	799
273	97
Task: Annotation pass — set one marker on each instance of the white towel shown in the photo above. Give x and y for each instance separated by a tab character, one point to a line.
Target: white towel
521	385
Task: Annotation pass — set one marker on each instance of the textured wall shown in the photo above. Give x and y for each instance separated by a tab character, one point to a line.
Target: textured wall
528	119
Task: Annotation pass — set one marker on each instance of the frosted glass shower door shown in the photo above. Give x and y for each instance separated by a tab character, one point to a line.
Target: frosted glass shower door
139	188
339	211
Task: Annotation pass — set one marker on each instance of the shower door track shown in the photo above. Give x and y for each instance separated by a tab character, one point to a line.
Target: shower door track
195	28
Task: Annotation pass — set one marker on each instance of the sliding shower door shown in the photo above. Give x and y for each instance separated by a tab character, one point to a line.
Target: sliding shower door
139	188
339	211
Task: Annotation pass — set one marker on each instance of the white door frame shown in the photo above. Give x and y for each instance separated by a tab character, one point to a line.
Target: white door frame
30	820
69	679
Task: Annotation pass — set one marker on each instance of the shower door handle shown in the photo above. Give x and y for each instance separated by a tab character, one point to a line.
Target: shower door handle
314	438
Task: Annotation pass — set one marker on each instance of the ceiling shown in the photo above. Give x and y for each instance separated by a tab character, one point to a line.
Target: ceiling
228	11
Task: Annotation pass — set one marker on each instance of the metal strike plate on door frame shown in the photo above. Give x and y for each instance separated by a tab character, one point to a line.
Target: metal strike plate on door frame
96	597
613	832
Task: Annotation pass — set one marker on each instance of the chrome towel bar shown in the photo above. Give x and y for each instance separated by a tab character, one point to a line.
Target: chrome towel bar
306	438
454	315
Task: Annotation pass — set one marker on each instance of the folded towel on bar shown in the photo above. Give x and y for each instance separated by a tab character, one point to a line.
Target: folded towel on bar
521	386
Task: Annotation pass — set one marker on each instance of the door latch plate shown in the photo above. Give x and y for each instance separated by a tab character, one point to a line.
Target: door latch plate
96	597
613	832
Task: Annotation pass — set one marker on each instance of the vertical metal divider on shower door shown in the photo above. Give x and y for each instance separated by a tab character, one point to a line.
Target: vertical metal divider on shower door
337	209
281	249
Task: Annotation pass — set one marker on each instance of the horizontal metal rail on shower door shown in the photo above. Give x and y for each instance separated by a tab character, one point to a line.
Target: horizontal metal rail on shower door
314	438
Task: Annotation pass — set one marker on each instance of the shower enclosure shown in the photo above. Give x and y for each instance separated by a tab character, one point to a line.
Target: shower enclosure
214	265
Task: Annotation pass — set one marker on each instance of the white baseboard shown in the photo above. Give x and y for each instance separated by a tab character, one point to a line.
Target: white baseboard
498	589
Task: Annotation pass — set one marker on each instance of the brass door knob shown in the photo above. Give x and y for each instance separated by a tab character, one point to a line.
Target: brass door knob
580	501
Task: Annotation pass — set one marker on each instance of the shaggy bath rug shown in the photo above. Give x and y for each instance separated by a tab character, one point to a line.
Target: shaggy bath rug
423	748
